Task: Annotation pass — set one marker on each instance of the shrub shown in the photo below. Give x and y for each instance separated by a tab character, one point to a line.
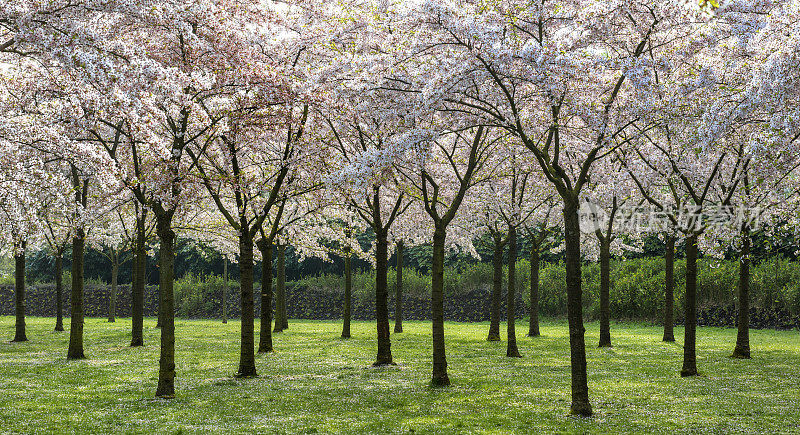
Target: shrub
637	291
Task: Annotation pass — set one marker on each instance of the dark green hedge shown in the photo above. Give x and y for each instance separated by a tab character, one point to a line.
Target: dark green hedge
637	293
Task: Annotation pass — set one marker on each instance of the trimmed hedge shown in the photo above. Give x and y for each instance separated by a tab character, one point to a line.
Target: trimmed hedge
637	293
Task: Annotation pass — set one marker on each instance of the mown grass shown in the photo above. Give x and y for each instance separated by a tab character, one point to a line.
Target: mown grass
316	382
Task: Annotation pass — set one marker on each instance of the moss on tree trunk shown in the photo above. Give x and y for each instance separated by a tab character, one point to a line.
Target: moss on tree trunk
265	333
139	266
742	349
225	290
112	296
281	322
166	274
247	360
19	293
669	290
511	347
440	378
572	239
398	298
690	323
384	356
533	325
75	350
59	291
497	288
348	295
605	292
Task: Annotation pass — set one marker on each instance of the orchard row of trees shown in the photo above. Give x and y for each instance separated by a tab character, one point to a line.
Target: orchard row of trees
251	125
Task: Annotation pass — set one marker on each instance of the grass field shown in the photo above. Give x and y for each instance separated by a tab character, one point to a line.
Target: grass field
318	383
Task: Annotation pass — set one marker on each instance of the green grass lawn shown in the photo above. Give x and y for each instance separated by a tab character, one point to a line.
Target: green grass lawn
316	382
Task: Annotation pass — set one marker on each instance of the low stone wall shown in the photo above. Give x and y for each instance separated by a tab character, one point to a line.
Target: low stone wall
322	304
302	303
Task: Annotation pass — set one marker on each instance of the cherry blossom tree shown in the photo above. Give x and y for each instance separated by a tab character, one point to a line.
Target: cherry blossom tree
362	143
245	182
516	196
763	116
539	232
609	195
441	169
497	232
115	238
18	219
699	165
57	234
556	75
684	175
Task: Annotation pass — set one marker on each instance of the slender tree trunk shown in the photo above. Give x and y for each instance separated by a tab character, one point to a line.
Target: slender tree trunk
166	274
533	326
280	296
605	290
75	350
669	290
497	288
282	286
59	291
440	378
572	238
348	294
398	299
265	336
160	308
137	286
511	301
382	300
112	300
281	322
690	323
247	359
225	290
19	292
742	349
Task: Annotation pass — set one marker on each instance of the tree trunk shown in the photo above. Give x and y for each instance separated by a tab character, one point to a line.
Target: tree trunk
59	291
19	292
533	325
138	282
282	285
669	290
281	322
265	335
572	239
398	299
497	288
605	290
247	359
225	290
166	274
75	350
382	300
742	349
440	378
279	297
690	322
511	348
112	300
348	295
